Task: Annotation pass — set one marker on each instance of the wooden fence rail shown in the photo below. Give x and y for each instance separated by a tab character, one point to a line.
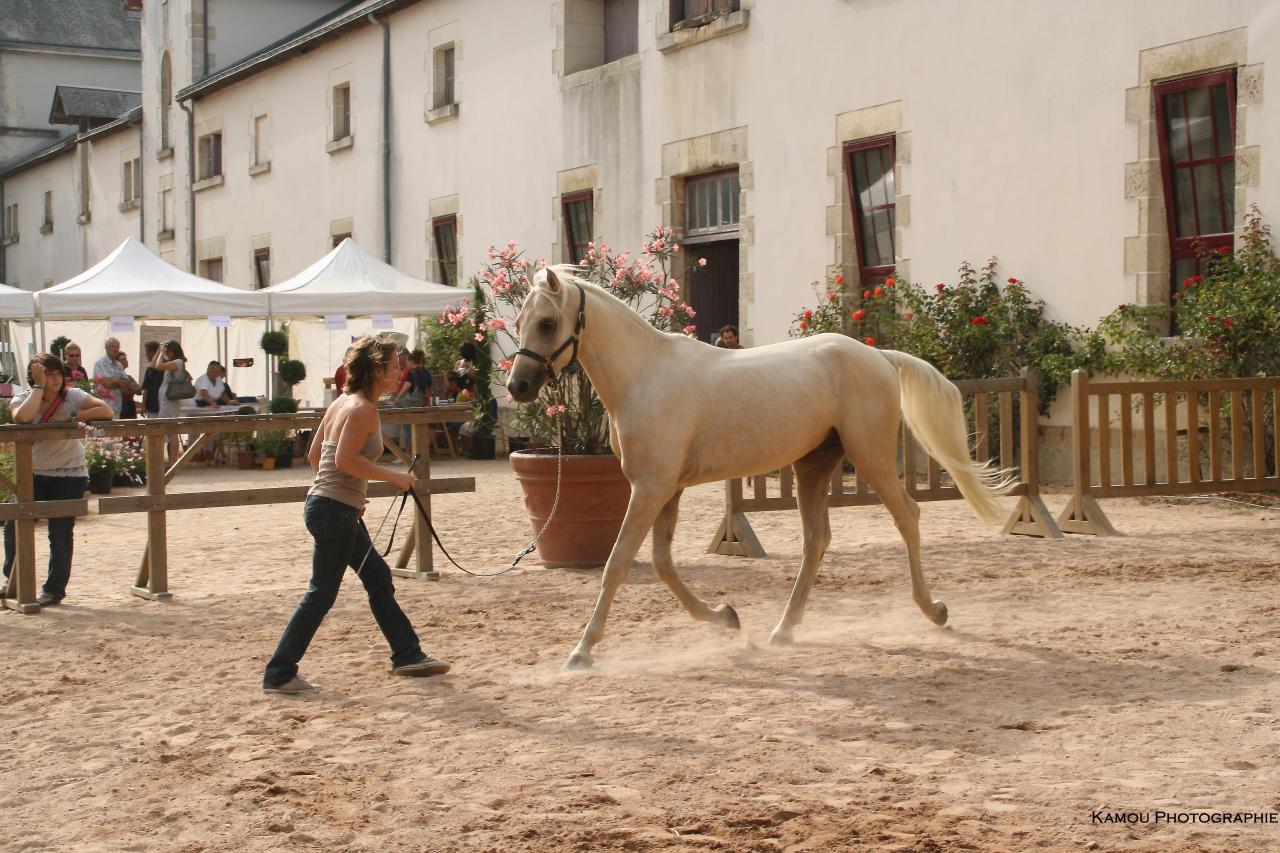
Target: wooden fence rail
1212	437
1031	517
153	576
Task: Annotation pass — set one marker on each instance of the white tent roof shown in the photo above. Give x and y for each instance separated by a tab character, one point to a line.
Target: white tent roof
131	281
16	303
348	281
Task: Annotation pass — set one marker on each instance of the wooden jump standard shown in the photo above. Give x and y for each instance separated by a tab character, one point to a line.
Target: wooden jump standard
1205	401
1030	517
153	577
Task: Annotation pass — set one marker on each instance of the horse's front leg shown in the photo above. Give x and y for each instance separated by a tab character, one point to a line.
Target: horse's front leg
664	529
646	502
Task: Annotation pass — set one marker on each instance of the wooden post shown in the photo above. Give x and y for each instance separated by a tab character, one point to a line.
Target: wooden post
735	536
419	543
1031	517
153	580
21	595
1082	514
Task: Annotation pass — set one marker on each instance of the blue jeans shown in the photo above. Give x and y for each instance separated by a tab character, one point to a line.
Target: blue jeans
340	542
61	531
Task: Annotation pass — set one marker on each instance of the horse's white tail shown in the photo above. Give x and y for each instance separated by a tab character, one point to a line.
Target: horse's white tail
934	410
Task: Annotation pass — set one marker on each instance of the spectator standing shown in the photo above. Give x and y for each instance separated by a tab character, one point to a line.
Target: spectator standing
172	361
414	393
128	407
151	379
728	338
60	471
74	369
110	382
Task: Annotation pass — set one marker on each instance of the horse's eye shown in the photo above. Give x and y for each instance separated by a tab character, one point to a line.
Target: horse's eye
547	325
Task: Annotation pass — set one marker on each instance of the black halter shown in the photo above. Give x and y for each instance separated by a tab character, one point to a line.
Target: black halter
548	362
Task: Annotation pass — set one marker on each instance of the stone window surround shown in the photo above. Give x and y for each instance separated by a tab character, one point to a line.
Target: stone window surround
261	109
1146	254
438	39
581	76
341	76
668	41
698	155
439	208
164	230
569	182
854	126
337	227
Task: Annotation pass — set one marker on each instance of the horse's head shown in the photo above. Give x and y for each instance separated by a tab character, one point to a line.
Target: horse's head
547	328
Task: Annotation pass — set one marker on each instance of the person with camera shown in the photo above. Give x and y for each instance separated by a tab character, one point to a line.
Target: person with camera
60	470
176	386
344	454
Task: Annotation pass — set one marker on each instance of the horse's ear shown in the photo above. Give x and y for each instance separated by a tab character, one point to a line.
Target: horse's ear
553	280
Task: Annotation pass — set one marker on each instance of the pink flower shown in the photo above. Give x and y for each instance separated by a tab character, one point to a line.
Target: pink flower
479	337
505	364
552	411
689	330
702	262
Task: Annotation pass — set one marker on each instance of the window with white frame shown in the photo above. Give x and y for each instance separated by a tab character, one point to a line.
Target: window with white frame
131	183
711	206
261	141
341	111
209	156
262	268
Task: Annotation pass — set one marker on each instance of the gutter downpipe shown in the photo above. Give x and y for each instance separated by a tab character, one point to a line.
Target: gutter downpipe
386	135
189	109
142	198
4	249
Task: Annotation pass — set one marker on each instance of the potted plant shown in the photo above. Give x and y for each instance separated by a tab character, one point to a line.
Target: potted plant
284	456
282	406
276	345
102	460
268	443
593	491
291	372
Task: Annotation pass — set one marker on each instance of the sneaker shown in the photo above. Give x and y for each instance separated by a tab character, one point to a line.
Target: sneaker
295	686
426	666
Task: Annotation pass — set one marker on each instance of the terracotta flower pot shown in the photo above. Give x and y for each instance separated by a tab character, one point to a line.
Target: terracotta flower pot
245	460
268	463
593	501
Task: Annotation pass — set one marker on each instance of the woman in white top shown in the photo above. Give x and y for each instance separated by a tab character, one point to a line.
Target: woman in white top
173	361
60	472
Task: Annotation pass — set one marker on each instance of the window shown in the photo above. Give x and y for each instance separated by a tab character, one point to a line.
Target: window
711	205
46	225
869	170
131	183
261	268
695	13
338	238
11	223
166	97
166	212
577	225
621	28
445	79
341	111
1196	119
261	142
211	269
210	156
445	231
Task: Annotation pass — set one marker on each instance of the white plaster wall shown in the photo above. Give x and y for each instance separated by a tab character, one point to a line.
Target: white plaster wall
38	257
110	225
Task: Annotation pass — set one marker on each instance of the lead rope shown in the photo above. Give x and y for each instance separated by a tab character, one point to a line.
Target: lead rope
528	549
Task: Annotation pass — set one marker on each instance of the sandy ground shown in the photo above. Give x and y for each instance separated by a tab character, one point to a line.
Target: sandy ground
1135	674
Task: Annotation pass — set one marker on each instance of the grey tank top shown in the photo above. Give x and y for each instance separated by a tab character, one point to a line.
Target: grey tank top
343	488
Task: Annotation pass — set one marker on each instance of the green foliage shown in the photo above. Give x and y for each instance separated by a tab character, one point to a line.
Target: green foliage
8	469
974	329
6	412
282	405
275	343
442	341
58	345
246	410
291	371
482	367
269	442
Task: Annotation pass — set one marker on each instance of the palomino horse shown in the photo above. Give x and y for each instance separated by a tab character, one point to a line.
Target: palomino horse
683	413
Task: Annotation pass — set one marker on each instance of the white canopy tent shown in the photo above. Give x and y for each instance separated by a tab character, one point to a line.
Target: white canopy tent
349	283
15	304
132	282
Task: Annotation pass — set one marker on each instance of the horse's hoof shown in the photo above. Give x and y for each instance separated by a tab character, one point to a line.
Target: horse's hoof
578	662
780	637
939	616
730	617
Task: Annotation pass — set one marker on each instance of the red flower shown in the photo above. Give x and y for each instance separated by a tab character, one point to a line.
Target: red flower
940	287
831	297
808	315
879	291
839	278
1226	324
888	282
910	315
859	314
1224	250
981	321
866	294
869	341
1012	280
1212	319
803	325
1192	281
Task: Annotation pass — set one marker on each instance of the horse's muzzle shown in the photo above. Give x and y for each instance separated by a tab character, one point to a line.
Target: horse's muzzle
524	384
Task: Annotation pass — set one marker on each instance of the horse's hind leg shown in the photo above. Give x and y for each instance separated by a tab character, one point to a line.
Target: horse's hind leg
813	476
664	529
881	474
